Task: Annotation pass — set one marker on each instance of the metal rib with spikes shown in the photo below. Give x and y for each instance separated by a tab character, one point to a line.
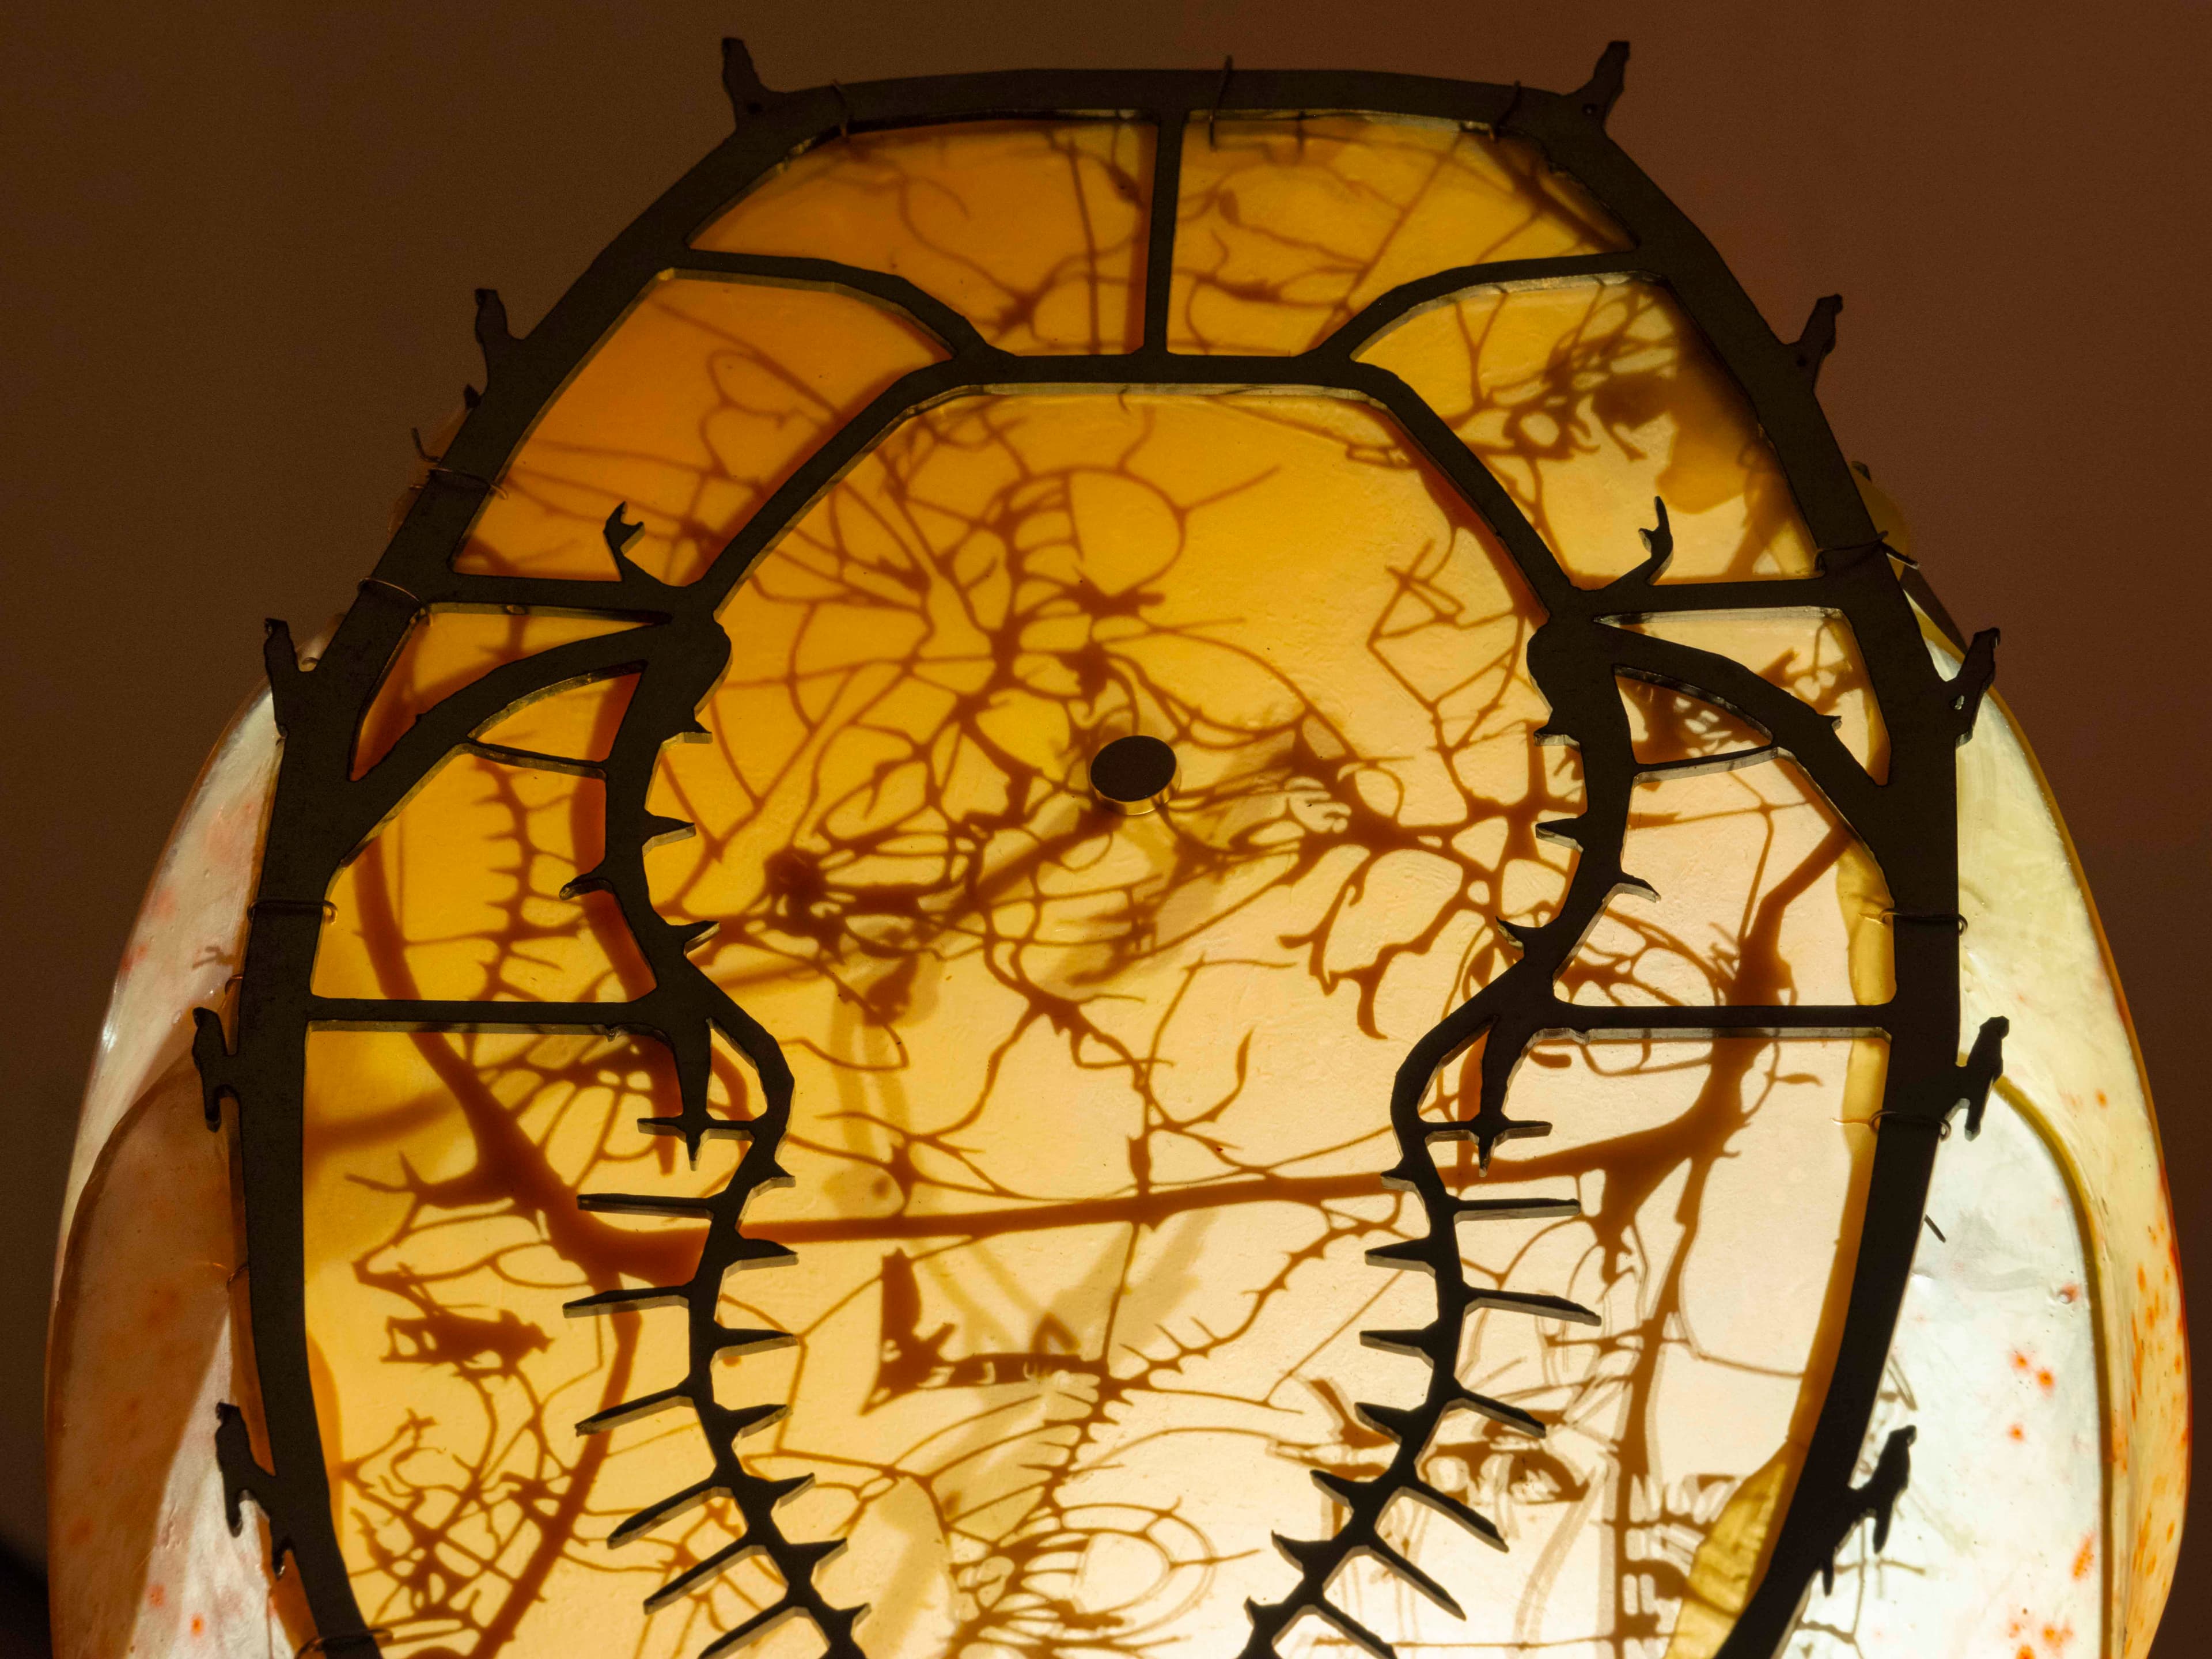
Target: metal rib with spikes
322	814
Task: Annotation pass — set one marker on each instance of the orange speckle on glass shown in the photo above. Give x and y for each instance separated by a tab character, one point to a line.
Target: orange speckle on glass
199	1626
156	1594
2086	1557
2015	1432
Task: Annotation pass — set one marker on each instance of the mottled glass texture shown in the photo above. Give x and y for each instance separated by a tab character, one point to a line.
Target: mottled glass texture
1589	400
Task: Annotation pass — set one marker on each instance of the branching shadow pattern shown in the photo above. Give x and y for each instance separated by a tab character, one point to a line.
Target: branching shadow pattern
946	837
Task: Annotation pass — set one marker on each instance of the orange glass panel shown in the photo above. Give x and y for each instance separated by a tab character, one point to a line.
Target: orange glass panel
1089	1107
1815	659
1763	897
1285	228
704	398
448	649
460	896
1590	399
1032	230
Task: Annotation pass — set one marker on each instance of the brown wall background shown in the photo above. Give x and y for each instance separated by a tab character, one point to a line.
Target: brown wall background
235	266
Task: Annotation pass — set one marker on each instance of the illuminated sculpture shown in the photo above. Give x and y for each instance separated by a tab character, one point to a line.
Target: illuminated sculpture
1228	760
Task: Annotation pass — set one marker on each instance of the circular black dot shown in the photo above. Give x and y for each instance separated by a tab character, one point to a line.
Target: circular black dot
1133	771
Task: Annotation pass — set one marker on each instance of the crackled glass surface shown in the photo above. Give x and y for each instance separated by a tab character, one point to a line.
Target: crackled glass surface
1090	1120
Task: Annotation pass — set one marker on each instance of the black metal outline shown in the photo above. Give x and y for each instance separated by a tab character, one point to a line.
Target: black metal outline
321	815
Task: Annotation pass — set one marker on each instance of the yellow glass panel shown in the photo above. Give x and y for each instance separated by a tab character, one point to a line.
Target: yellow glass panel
1814	658
704	398
1762	897
1032	230
1285	228
460	896
1090	1109
1587	401
449	650
442	1237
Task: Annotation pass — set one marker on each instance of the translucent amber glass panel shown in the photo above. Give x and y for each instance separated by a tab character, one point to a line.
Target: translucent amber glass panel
1589	400
1032	230
1089	1109
447	650
704	397
1815	659
1285	228
461	896
1763	897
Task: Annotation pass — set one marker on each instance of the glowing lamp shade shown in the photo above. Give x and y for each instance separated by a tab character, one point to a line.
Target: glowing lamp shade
1127	864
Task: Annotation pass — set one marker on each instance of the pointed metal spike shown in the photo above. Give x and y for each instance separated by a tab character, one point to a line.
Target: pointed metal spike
1573	831
1355	1632
699	1572
657	829
752	1630
1516	1209
1635	884
1417	1255
688	934
1406	1427
1536	1307
493	335
734	1423
1510	1417
644	1204
1402	1176
1971	683
630	1410
620	532
1520	932
594	880
1480	1525
1301	1553
1409	1342
1598	94
1984	1064
764	1252
750	1341
741	81
702	1129
1344	1491
1413	1576
654	1514
1818	338
630	1301
211	1057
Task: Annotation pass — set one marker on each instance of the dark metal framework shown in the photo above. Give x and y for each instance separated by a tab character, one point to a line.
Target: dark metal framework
322	815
